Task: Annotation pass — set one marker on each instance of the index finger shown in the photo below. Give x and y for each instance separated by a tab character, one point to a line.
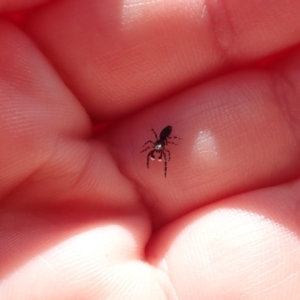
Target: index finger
119	56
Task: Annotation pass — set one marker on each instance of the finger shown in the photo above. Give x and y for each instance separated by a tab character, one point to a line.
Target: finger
47	156
240	132
57	186
253	237
75	254
118	56
17	5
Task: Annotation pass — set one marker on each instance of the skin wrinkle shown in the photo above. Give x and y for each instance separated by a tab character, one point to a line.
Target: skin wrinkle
27	177
282	88
296	210
82	174
224	33
276	284
137	186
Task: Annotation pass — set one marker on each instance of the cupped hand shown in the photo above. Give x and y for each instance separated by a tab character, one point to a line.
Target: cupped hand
83	85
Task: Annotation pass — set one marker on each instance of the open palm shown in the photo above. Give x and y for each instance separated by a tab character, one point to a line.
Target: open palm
83	85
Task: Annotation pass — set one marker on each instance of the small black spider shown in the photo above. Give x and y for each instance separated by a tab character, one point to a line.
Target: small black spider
159	146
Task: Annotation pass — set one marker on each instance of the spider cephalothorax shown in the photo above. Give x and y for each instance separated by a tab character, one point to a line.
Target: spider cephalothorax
159	146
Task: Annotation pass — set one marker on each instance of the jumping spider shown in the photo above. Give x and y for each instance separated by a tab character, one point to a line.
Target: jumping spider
159	146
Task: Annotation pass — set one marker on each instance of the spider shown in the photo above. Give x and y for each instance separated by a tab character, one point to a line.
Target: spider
159	146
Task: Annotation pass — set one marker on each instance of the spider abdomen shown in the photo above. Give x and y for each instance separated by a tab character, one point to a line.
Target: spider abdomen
165	133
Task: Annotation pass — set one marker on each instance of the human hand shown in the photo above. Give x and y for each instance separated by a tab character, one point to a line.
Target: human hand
82	217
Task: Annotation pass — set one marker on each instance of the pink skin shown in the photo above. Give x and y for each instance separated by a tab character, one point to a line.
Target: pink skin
81	216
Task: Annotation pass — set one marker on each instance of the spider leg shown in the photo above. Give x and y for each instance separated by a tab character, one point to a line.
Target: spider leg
156	137
172	143
160	156
166	161
151	153
146	149
169	154
148	143
173	137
